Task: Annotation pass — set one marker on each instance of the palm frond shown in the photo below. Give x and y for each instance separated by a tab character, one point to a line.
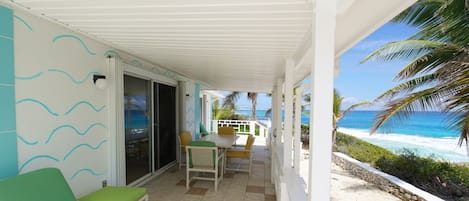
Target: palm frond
420	14
338	99
403	49
398	110
409	86
428	62
230	100
354	106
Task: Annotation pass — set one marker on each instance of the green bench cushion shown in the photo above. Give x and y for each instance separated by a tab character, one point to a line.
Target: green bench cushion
40	185
112	193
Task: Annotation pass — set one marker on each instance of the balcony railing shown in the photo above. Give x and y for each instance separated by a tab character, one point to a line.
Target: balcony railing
242	126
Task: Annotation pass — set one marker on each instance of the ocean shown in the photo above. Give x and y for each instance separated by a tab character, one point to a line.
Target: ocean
424	133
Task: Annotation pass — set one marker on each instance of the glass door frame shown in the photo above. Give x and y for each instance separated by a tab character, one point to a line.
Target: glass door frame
146	176
123	68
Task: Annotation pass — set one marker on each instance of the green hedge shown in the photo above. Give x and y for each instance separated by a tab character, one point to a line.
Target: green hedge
360	150
446	180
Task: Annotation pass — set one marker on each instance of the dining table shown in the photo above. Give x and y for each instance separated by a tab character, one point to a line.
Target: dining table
222	141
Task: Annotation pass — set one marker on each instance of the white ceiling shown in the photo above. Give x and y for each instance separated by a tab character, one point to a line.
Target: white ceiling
229	44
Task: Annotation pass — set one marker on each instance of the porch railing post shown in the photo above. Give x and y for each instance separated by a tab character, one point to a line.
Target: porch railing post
287	144
297	132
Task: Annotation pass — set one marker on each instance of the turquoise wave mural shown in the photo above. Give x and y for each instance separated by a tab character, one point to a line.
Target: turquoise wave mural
78	132
88	170
24	22
96	109
73	79
83	145
112	53
28	142
36	158
30	77
71	36
38	102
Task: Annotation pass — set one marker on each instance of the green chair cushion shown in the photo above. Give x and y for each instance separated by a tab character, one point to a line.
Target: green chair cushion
39	185
113	193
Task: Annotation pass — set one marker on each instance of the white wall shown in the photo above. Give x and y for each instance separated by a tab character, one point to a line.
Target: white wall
189	114
62	118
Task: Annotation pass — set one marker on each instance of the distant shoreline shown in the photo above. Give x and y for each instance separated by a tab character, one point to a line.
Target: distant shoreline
445	149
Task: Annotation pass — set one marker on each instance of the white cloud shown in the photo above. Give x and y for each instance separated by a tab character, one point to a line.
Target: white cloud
370	45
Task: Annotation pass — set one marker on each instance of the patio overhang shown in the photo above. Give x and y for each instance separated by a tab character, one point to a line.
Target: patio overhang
245	45
226	45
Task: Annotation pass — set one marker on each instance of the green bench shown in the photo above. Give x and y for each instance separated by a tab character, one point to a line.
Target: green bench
49	184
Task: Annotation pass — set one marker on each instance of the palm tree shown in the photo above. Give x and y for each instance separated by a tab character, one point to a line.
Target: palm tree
438	75
230	100
337	114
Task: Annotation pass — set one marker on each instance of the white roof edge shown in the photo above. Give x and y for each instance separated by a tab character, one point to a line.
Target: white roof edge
215	94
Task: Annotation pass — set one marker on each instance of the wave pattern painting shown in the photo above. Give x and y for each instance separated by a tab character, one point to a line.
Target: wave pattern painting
28	142
86	170
24	22
34	158
83	145
38	102
73	79
30	77
71	127
78	39
87	103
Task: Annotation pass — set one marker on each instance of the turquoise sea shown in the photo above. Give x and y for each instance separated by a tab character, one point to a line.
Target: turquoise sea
424	133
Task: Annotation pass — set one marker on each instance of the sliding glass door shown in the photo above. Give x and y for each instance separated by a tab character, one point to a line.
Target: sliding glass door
137	111
150	127
165	124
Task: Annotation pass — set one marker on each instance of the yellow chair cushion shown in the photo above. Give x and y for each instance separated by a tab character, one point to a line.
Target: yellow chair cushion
241	153
185	138
226	131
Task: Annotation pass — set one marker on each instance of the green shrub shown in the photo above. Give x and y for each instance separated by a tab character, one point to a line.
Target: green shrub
359	149
443	179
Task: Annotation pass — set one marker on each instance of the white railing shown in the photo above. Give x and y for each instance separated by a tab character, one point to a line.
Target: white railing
242	126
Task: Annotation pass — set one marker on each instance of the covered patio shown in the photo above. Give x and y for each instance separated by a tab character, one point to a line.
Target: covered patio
56	53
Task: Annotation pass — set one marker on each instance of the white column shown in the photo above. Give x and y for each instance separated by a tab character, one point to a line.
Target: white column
252	127
297	131
278	111
272	134
287	144
322	74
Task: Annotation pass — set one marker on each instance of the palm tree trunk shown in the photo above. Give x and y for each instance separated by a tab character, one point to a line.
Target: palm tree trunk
254	110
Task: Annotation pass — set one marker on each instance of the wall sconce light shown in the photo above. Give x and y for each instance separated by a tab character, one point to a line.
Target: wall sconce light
100	81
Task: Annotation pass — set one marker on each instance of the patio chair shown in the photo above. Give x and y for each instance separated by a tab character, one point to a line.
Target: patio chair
226	131
204	157
184	139
241	153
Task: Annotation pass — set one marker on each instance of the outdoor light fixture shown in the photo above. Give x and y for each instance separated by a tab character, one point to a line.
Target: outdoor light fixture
100	81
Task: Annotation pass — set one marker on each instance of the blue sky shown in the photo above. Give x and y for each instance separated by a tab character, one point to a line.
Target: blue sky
358	82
